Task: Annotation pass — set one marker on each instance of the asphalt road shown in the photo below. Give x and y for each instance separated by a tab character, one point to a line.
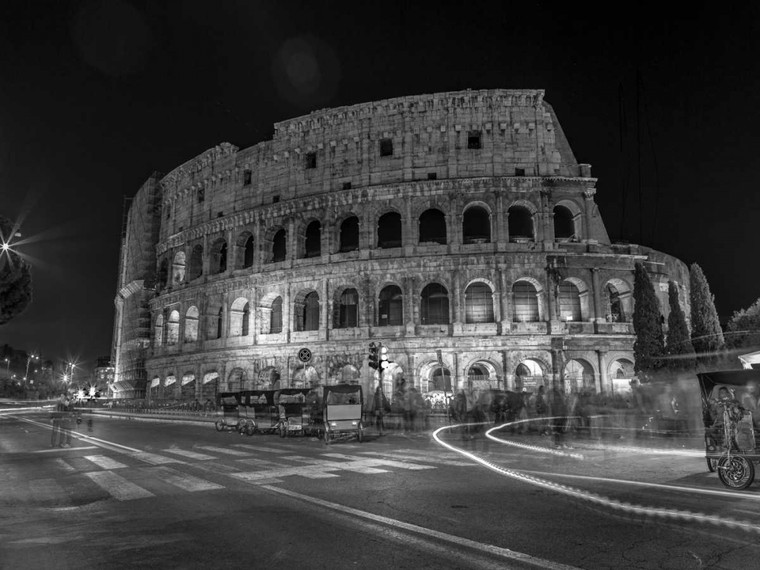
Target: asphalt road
132	494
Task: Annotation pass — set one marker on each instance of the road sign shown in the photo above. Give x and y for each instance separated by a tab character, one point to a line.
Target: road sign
304	355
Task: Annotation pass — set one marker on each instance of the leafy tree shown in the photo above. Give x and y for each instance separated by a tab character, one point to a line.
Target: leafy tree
649	347
706	332
744	328
15	277
678	341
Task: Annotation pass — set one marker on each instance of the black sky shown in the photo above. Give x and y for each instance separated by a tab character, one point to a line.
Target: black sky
94	96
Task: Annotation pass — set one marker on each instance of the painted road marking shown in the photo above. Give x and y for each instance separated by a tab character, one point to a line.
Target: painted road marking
261	476
263	463
185	481
154	458
224	450
370	462
117	486
104	462
458	541
64	449
263	448
189	454
63	465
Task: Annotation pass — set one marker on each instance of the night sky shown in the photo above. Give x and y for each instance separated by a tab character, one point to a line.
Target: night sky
95	96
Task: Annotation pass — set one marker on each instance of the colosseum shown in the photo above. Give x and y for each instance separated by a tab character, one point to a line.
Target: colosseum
457	230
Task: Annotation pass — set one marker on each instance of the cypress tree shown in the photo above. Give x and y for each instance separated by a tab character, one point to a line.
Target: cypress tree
706	332
744	328
678	341
649	347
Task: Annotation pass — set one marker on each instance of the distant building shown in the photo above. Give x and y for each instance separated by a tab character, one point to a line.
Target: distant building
457	229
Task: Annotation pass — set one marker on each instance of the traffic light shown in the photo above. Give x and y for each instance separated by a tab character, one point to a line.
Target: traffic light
383	357
374	362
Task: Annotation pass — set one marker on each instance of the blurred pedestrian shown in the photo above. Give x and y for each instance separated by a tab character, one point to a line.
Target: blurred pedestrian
380	407
66	421
541	409
558	410
56	417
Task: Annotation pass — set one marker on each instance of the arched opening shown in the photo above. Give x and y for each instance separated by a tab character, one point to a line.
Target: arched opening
187	387
348	309
621	374
307	314
478	301
525	302
196	262
391	307
218	256
569	302
279	246
476	225
172	328
520	224
313	240
178	268
214	320
579	375
349	234
440	379
209	388
432	227
268	379
618	301
306	377
158	331
529	376
244	257
434	305
239	317
191	324
389	230
275	319
478	378
235	380
564	225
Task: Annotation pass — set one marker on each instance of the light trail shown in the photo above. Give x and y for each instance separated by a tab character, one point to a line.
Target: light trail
588	496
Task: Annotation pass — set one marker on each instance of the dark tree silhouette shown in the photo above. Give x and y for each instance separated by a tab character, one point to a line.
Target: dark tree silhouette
706	333
649	347
678	342
15	277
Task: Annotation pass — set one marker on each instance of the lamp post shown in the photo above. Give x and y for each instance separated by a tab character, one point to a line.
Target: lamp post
28	360
7	366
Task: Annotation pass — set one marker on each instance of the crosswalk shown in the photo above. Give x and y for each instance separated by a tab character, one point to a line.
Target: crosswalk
103	473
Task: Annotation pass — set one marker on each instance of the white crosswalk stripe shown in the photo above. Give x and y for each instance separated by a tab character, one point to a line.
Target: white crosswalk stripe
154	458
117	486
104	462
189	454
264	448
186	482
224	450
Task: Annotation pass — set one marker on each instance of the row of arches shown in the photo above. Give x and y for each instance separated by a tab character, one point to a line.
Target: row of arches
477	227
578	375
434	306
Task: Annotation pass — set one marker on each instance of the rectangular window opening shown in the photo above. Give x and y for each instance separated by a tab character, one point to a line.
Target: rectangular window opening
473	139
432	176
346	186
519	172
386	147
201	195
247	175
311	160
275	199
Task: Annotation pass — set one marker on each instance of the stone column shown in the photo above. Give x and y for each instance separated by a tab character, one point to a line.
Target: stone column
603	382
588	194
323	311
597	290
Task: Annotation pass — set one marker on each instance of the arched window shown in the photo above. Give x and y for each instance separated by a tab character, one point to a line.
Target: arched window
433	227
163	273
434	305
478	302
529	375
579	376
158	331
313	243
178	268
389	230
279	246
244	255
520	223
275	320
349	234
348	310
191	325
239	314
478	377
525	302
569	302
310	315
615	309
172	328
441	379
196	262
564	226
391	307
219	257
476	225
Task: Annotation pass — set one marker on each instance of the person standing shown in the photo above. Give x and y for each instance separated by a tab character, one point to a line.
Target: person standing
541	406
380	406
558	410
66	420
56	438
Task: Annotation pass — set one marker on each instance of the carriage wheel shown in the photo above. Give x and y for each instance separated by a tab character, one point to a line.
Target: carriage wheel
712	464
219	425
736	471
360	432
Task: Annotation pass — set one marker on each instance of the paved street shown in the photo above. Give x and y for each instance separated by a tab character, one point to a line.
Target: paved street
138	494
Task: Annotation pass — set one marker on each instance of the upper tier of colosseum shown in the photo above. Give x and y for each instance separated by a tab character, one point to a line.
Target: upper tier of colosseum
462	134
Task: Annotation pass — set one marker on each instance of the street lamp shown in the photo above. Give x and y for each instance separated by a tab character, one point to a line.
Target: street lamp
28	360
7	366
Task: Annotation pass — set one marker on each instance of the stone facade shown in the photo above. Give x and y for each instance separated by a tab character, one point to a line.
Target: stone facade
457	229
